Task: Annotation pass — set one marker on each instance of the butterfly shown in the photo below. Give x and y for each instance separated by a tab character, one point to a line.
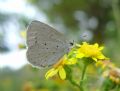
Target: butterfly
45	45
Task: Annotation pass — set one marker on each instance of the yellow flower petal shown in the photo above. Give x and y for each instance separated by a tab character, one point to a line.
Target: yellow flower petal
51	73
94	59
71	61
85	43
101	56
80	55
62	73
101	63
96	45
101	48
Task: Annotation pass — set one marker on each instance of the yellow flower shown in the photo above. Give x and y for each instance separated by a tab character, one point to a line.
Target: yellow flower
92	51
59	67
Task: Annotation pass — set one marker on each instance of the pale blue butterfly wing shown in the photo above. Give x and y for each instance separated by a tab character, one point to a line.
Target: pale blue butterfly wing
45	45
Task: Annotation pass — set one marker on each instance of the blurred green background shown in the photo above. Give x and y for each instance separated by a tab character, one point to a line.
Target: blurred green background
81	20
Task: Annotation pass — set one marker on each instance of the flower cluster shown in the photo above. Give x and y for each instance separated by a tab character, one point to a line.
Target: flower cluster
59	67
92	51
85	50
110	71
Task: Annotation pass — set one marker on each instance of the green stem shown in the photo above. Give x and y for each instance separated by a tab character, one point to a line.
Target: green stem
75	84
69	77
82	77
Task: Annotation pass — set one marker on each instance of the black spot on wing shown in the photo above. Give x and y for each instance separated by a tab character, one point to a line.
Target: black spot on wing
45	43
57	46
